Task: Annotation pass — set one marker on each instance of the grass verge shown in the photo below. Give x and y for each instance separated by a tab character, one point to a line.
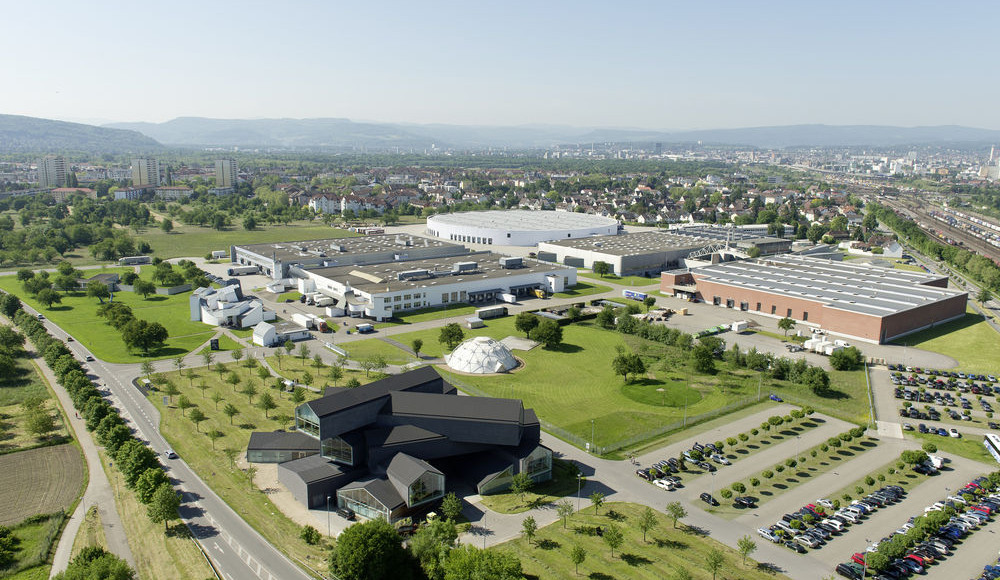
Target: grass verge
969	340
91	533
969	447
157	554
424	314
37	537
660	555
623	280
582	289
562	484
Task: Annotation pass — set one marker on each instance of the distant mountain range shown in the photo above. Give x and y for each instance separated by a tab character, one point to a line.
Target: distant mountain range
19	133
28	134
341	133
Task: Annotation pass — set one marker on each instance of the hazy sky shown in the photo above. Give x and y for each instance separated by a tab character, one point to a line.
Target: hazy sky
656	65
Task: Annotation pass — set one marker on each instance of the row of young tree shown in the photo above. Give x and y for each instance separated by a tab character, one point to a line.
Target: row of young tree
137	463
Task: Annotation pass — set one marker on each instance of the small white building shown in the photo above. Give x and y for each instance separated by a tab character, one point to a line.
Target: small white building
227	307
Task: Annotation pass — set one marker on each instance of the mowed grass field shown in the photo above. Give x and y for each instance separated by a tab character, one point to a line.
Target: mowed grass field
39	481
969	340
210	462
572	384
582	289
429	314
77	315
659	556
194	241
623	280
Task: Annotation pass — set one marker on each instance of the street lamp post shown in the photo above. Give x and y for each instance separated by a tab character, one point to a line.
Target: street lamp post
592	436
328	515
663	396
579	480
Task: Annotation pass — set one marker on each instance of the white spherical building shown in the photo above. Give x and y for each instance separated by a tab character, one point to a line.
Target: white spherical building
481	355
518	227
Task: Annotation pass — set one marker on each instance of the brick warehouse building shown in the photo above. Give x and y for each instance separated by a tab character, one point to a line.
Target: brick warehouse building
867	303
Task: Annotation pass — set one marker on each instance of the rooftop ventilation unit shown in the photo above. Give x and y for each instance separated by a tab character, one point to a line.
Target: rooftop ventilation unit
462	267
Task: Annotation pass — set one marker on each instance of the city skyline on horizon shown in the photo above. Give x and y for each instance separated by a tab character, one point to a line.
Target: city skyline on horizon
650	67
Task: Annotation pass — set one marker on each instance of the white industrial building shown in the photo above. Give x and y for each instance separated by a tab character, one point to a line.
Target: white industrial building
275	259
378	291
642	253
227	306
518	227
268	334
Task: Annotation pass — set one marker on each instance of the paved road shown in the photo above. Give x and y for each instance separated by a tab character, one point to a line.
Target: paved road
234	547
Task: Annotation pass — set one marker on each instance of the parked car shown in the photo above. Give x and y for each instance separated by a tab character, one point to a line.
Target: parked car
664	484
707	498
644	473
768	535
346	513
851	570
807	540
772	397
745	502
793	545
720	459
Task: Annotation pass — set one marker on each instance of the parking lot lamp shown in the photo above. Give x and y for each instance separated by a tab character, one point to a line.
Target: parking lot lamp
579	480
592	450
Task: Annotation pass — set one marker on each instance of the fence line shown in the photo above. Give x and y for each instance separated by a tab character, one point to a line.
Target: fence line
583	443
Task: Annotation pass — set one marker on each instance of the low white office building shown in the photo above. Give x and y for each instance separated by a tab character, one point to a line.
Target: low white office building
518	227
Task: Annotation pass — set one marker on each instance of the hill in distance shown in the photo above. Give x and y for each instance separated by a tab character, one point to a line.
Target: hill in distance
27	134
344	133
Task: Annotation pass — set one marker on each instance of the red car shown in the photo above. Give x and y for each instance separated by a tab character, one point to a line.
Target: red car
917	559
859	558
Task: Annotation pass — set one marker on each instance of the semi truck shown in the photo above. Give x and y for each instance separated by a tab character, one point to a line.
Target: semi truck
303	320
242	270
365	328
633	295
508	298
491	312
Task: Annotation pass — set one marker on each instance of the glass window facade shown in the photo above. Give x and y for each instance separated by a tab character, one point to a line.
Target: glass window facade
498	483
338	450
306	421
362	503
427	487
538	465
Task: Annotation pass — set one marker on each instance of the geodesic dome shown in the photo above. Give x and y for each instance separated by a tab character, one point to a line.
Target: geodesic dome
481	355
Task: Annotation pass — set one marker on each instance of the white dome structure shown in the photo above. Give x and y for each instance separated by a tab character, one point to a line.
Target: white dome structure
481	355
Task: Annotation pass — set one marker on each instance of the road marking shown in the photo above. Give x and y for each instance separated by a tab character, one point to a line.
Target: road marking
216	546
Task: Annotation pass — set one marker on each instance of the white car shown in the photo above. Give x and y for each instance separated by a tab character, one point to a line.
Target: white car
954	433
955	498
768	535
169	453
664	484
825	503
720	459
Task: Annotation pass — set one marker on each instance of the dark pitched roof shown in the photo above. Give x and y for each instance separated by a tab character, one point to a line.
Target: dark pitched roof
406	468
380	489
314	468
282	441
342	400
456	407
399	435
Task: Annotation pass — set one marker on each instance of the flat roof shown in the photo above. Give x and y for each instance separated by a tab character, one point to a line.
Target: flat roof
375	278
721	234
864	289
333	247
628	244
522	220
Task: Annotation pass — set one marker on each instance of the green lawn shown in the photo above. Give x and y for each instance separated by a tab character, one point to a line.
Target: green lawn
623	280
969	340
563	483
969	446
77	315
663	551
225	344
369	347
582	289
194	241
423	314
847	397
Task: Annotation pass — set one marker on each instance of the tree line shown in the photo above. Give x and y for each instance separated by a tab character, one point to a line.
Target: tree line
137	463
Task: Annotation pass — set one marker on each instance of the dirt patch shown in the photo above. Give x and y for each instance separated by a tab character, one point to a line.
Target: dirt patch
39	481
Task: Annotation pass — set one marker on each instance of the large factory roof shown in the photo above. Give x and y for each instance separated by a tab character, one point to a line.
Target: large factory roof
332	247
864	289
722	234
523	220
427	273
633	243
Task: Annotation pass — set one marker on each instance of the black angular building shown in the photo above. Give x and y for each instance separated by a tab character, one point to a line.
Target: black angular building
392	447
